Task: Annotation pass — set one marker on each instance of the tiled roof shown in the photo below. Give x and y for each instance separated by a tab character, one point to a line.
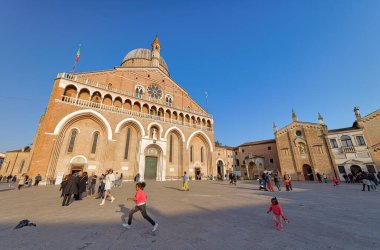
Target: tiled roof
257	142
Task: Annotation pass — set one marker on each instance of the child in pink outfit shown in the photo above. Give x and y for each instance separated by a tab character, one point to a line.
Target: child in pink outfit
140	199
278	214
335	181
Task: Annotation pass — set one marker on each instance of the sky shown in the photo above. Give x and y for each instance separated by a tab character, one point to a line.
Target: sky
257	60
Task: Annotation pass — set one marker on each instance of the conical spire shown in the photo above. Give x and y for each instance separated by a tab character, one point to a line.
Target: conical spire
155	42
274	127
294	116
320	119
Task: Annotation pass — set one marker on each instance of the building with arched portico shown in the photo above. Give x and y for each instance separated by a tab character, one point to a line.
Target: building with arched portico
133	118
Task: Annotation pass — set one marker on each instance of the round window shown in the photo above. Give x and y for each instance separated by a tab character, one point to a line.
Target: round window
298	133
154	91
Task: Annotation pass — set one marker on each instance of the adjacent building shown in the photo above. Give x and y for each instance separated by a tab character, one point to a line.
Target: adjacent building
223	159
16	162
371	131
2	156
303	149
253	158
350	151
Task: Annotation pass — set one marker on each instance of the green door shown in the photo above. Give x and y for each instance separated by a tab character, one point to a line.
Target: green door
150	168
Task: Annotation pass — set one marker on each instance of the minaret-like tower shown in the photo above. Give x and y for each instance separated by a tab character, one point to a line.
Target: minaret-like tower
320	119
294	116
357	114
156	52
274	128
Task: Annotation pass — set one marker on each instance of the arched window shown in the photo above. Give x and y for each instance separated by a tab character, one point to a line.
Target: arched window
73	136
191	153
171	149
21	167
169	100
346	141
127	143
139	91
94	142
201	154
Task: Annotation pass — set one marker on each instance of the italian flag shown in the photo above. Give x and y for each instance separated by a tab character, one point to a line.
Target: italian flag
78	55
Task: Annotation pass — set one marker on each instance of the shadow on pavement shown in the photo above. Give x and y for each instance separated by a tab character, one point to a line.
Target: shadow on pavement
124	213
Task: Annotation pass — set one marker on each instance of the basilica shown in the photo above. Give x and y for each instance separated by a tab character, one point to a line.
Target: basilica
133	119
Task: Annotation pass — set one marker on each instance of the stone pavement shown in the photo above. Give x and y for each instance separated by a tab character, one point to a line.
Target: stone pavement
213	215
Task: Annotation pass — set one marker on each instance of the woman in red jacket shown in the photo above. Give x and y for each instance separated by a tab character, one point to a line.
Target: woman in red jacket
140	199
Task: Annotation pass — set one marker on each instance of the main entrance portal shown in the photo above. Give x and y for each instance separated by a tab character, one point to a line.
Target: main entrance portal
308	173
150	168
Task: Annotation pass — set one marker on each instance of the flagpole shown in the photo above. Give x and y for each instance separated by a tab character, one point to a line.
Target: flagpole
76	60
206	101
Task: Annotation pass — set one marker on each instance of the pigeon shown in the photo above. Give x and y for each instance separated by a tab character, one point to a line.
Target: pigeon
25	223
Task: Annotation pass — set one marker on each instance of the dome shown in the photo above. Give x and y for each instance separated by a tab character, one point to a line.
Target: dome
145	54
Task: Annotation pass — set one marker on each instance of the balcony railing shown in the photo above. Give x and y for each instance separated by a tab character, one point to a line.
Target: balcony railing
107	87
95	105
348	149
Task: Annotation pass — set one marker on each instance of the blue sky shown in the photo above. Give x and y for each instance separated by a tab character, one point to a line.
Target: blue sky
256	59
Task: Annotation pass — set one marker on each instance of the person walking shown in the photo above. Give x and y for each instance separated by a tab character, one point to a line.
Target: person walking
269	182
121	180
91	184
185	185
335	181
82	185
264	178
350	178
287	186
278	213
345	176
319	177
366	181
63	184
69	189
14	179
288	182
109	179
137	177
324	177
21	182
140	199
231	177
37	180
101	187
277	181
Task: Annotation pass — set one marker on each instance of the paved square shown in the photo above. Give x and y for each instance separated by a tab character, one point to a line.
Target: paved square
213	215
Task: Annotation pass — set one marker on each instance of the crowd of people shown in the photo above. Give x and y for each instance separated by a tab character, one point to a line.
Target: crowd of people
269	180
79	185
23	181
